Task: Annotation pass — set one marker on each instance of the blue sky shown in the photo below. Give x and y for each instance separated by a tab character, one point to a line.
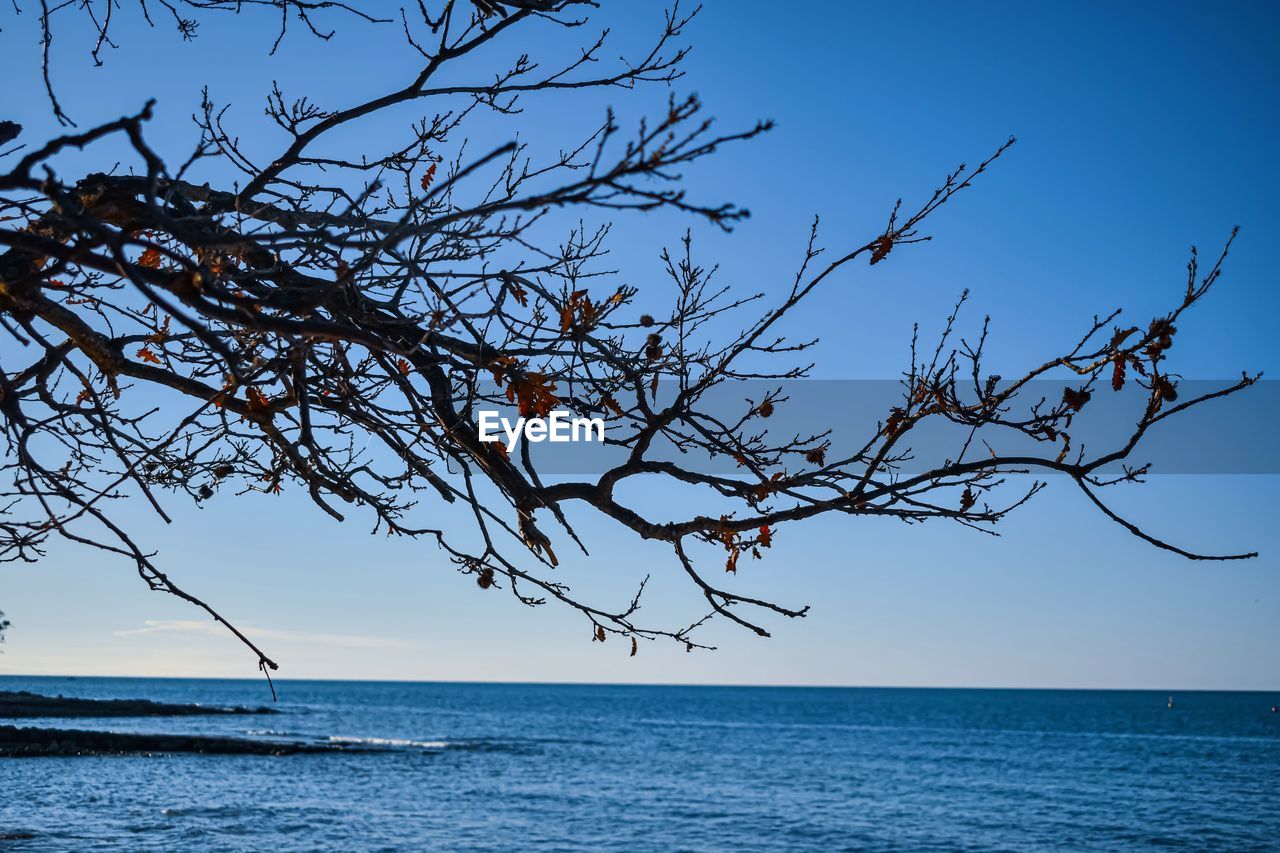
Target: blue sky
1143	129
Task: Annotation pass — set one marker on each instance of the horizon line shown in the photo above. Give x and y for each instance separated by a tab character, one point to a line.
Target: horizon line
733	685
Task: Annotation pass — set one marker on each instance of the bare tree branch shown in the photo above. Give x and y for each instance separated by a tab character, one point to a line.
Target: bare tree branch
334	323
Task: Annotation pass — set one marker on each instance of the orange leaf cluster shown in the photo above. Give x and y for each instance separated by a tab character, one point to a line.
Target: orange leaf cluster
729	539
611	404
532	394
1075	398
763	490
1117	372
150	258
160	335
1166	389
1161	333
429	177
518	293
581	306
501	365
894	424
258	402
880	249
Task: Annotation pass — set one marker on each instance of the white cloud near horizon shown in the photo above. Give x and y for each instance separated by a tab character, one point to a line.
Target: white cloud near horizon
195	626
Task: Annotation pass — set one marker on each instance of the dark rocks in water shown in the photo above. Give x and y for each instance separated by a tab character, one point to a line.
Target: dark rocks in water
21	703
18	742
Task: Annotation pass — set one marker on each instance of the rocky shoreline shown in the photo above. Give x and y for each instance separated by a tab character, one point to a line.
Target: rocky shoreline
16	742
21	703
32	741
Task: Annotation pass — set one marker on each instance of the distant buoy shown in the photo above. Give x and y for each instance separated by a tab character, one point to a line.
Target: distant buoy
1171	702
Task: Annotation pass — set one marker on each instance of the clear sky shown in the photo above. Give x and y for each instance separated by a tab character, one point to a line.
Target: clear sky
1143	129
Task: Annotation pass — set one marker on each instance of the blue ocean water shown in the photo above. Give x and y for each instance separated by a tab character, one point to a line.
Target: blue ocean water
496	766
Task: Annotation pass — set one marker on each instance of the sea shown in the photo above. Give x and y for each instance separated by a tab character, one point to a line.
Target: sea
574	767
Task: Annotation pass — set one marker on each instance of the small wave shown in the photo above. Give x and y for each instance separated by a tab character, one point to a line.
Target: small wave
233	811
391	741
268	733
433	746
